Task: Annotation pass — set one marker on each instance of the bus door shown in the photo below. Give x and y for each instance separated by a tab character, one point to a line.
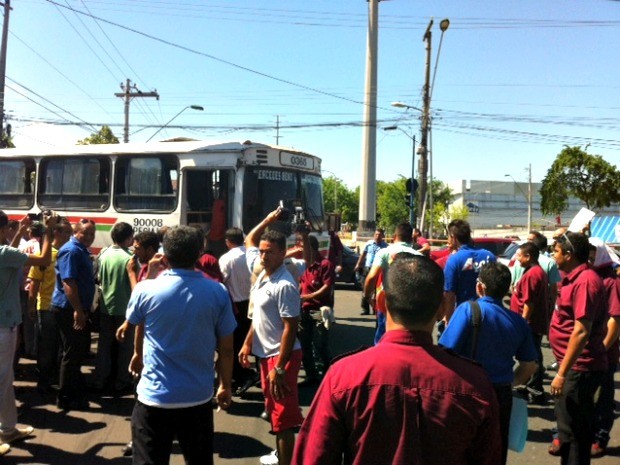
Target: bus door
209	196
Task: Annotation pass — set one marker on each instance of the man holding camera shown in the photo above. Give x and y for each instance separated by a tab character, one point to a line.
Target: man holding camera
11	263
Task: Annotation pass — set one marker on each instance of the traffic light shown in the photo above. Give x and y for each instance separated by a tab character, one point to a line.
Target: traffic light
408	199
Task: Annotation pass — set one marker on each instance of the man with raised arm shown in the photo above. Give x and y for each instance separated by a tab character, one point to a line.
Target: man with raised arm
273	336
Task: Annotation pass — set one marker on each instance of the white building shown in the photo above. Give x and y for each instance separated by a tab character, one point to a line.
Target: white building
504	205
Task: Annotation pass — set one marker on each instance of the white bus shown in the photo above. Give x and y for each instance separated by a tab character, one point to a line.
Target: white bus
214	186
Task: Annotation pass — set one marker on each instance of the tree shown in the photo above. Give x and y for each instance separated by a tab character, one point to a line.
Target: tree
103	136
392	207
576	173
347	202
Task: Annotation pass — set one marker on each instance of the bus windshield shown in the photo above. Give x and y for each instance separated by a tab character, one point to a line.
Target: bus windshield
264	188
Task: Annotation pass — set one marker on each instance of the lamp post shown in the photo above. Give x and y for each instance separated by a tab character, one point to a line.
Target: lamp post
335	188
193	107
527	196
413	186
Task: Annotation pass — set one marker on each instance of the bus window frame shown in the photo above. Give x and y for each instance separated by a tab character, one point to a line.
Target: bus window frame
29	196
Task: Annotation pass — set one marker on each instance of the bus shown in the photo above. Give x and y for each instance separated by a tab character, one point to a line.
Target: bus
150	185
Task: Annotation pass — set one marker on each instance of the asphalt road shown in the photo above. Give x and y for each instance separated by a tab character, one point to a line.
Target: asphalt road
97	436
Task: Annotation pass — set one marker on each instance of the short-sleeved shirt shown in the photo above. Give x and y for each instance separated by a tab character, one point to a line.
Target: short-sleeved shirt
184	315
11	263
462	269
273	297
611	281
503	336
318	274
370	249
114	280
236	274
533	288
47	276
582	295
73	262
546	263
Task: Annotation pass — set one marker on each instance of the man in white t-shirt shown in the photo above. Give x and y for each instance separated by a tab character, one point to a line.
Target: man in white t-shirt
273	335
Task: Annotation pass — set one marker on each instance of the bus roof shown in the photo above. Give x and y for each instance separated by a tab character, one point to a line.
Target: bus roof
166	146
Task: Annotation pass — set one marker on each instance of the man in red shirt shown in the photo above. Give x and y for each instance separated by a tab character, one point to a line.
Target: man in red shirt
404	400
316	291
530	299
576	335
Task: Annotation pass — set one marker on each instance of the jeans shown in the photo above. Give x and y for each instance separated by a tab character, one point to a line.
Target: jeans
380	327
240	374
604	408
75	346
307	327
574	412
113	357
8	410
49	348
153	429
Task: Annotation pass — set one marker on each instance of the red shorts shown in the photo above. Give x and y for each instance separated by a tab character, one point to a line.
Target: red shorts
285	413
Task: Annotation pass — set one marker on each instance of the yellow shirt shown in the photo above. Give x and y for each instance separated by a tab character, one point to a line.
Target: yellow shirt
47	276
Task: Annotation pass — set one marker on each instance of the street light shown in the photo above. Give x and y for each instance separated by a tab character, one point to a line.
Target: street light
527	196
193	107
413	186
335	188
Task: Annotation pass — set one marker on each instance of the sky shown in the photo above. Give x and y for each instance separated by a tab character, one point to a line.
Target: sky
515	81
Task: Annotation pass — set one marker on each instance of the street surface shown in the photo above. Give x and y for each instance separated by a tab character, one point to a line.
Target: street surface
96	437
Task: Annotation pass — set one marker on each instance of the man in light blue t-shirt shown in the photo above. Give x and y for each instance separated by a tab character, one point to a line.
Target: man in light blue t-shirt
186	317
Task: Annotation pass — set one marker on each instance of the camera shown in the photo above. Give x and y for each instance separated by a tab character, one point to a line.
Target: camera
39	216
296	218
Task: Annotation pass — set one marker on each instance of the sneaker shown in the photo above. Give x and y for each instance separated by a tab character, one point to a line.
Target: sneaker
4	448
128	449
552	366
554	447
15	434
597	450
270	459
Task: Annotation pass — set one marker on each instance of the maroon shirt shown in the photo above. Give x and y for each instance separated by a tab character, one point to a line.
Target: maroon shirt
316	275
582	295
403	401
533	288
611	281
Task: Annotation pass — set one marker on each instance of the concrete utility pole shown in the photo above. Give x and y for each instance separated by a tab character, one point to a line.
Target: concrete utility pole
127	95
529	198
5	34
368	186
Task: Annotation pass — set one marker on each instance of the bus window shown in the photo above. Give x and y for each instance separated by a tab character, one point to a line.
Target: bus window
16	183
312	195
263	188
146	184
75	183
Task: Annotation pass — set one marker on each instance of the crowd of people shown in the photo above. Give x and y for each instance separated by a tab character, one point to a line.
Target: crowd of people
187	331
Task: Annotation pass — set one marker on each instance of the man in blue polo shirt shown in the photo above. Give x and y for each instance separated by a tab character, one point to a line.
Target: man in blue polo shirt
503	337
185	317
72	299
462	268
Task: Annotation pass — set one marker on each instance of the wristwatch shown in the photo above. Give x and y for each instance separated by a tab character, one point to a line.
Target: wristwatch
280	371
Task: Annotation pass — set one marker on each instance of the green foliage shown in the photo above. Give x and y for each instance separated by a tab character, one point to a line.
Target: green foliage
104	136
577	173
392	208
335	191
7	142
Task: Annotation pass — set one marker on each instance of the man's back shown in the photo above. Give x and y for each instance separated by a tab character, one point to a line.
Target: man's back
462	269
395	402
183	313
115	285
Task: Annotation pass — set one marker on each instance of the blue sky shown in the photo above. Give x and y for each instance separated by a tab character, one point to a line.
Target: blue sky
515	82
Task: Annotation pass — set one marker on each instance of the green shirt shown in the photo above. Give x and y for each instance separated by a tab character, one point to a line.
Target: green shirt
114	281
11	264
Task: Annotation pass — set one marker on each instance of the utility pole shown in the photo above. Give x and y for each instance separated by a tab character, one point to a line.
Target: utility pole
368	185
529	199
277	129
5	35
127	95
423	166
